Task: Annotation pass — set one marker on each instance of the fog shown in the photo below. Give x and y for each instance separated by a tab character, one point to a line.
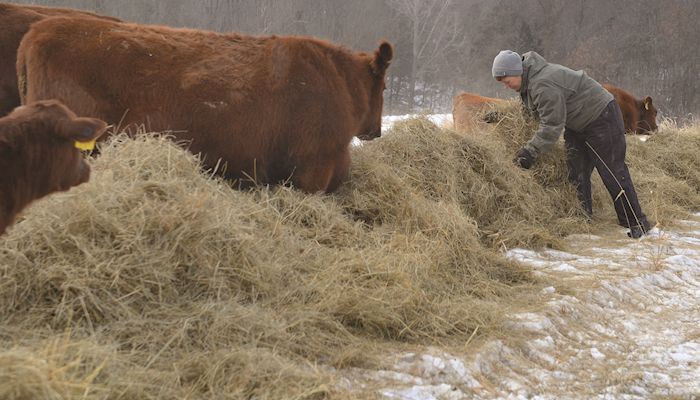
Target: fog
447	46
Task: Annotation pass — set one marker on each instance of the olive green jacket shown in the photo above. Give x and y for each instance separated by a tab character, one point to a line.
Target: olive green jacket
559	97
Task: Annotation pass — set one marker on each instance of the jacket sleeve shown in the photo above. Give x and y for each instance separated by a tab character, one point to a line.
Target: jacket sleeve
551	107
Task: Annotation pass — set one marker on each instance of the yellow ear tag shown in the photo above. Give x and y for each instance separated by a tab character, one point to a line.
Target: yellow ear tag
89	145
646	106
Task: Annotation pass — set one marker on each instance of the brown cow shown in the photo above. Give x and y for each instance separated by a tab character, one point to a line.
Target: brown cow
14	22
468	110
639	116
271	108
39	154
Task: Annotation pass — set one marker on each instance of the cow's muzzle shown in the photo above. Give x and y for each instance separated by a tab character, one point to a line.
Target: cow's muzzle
370	135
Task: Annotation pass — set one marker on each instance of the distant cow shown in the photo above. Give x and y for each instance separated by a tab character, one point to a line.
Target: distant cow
271	108
639	115
468	110
39	154
14	23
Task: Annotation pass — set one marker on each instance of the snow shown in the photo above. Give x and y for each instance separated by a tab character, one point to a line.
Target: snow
595	353
629	332
442	391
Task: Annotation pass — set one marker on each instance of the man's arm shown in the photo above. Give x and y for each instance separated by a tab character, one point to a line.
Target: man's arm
551	108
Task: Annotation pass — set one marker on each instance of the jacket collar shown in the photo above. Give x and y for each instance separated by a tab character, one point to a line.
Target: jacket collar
524	82
533	63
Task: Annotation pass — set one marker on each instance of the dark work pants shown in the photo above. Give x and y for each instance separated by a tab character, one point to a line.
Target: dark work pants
602	145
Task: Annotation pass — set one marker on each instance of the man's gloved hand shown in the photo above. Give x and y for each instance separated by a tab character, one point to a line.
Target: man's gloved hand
493	116
524	159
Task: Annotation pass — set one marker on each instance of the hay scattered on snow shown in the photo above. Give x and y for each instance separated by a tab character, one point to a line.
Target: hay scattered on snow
172	285
199	286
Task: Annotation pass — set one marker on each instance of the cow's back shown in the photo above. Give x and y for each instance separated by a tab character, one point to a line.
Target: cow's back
177	80
468	110
258	103
629	106
15	21
639	115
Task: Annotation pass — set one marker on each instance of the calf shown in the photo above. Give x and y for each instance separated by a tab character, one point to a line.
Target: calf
639	116
468	110
273	108
39	154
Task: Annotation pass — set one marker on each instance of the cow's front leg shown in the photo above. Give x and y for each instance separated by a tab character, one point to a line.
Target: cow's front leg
322	174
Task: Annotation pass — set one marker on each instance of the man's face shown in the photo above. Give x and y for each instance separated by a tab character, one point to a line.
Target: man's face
511	82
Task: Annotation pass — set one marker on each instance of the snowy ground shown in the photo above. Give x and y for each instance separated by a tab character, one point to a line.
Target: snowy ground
627	329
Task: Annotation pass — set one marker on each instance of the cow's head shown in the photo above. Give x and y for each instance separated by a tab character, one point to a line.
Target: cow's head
647	117
47	144
379	62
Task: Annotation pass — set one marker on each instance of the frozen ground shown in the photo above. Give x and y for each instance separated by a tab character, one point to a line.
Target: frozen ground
628	328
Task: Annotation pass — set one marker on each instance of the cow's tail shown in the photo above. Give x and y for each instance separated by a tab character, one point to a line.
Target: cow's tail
22	80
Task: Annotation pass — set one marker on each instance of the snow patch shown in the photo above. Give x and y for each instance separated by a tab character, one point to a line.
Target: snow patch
626	328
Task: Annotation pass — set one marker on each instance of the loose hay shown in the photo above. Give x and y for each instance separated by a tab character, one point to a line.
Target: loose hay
204	290
58	369
172	285
666	171
665	168
419	162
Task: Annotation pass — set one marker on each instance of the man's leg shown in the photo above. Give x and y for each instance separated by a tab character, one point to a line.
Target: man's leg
580	168
605	139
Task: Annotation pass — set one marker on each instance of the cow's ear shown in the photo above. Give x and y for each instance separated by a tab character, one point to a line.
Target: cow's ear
647	103
82	129
382	58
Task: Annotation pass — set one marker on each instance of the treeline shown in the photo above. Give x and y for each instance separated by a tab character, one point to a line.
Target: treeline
447	46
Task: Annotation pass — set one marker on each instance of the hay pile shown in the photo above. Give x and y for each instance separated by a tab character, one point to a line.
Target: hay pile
155	280
420	165
665	168
165	283
666	171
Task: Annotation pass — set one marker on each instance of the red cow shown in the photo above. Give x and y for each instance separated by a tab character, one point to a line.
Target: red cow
271	108
639	115
39	154
14	22
468	110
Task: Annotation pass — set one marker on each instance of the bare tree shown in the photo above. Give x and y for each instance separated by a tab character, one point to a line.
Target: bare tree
434	32
443	46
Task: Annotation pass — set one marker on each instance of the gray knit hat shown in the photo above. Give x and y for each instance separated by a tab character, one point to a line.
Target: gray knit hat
507	63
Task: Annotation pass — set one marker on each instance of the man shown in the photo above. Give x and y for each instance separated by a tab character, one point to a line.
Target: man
594	133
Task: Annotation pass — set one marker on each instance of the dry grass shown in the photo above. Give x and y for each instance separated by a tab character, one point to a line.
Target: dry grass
666	171
56	369
156	280
472	172
665	168
204	291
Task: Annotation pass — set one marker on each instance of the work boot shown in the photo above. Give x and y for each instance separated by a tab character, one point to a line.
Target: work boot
638	231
